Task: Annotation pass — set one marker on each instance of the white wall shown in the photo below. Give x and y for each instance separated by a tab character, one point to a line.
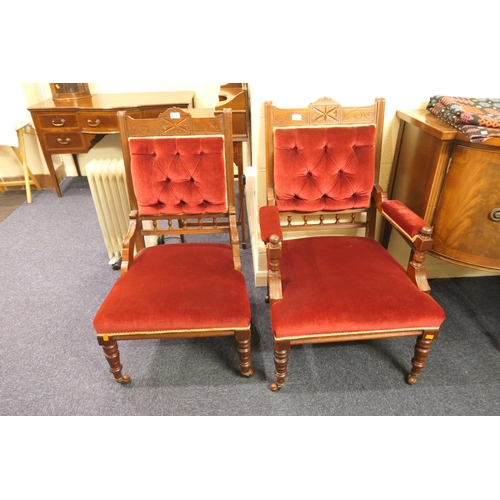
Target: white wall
290	53
13	115
419	51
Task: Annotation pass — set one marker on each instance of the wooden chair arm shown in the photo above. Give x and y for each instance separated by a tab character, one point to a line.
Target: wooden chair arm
128	244
407	223
269	221
235	241
415	231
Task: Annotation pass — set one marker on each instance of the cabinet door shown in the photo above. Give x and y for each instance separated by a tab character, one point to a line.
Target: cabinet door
467	227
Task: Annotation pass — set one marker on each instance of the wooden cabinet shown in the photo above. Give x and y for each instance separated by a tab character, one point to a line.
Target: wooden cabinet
236	97
451	183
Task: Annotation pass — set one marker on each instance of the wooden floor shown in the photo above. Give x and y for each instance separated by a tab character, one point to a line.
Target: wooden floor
9	201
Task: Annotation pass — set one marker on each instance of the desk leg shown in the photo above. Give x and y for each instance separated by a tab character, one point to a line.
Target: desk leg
52	172
77	165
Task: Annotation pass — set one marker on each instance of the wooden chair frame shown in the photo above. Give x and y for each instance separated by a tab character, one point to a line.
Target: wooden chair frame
176	122
327	112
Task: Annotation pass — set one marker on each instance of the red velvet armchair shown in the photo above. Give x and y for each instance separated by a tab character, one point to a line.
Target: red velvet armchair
329	280
179	172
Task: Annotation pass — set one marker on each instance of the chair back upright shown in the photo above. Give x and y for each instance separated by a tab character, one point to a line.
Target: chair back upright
322	164
179	174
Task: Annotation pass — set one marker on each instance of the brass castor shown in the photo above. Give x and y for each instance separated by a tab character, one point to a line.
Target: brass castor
275	387
412	378
248	374
123	380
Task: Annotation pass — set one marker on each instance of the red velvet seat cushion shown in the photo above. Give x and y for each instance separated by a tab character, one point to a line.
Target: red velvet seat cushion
324	168
175	175
175	287
337	284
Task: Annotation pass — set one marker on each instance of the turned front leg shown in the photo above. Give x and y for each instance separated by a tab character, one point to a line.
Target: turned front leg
244	346
422	349
113	356
281	350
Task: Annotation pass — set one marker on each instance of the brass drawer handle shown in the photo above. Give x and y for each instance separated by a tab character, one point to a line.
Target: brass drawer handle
62	122
61	141
495	215
94	124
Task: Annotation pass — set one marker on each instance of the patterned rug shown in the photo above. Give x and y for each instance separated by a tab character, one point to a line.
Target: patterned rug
478	119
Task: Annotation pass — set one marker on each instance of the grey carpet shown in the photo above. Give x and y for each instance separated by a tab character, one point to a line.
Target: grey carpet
54	275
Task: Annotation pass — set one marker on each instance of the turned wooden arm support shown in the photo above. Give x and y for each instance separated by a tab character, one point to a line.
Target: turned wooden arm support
128	244
272	235
416	232
235	240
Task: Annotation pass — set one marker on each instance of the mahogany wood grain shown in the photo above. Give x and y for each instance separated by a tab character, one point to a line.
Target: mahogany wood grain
464	231
452	184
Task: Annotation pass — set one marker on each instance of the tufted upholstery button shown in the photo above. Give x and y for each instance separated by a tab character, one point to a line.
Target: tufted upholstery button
325	148
191	180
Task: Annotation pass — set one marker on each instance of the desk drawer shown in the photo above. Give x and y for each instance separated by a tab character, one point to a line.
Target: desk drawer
99	122
57	120
65	141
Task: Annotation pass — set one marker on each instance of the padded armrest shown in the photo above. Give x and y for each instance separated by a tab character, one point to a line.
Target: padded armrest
269	219
405	219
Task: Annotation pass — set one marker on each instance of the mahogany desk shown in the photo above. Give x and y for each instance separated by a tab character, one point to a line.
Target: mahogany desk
75	125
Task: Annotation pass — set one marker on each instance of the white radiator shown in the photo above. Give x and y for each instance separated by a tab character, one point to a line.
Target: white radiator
109	191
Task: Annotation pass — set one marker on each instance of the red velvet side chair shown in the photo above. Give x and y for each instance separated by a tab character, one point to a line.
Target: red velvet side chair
179	172
322	166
